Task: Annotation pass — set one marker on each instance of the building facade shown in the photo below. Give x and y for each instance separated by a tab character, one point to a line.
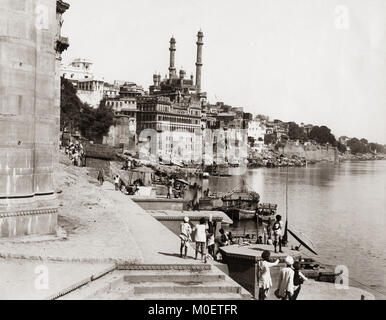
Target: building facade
175	128
79	69
169	118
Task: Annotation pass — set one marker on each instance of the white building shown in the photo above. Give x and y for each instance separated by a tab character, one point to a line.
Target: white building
79	69
257	130
91	91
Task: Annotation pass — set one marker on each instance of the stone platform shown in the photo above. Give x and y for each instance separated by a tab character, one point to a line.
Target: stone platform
242	262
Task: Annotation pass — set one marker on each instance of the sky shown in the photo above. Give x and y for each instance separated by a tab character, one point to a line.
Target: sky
320	62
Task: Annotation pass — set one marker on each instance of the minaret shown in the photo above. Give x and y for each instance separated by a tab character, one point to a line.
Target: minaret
199	64
172	68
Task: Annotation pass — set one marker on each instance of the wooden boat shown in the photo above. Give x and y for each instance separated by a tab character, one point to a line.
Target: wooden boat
243	214
266	212
241	203
218	171
210	203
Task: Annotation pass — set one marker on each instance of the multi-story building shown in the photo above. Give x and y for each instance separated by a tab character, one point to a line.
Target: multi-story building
78	69
257	131
123	133
110	91
175	128
130	90
123	105
91	91
169	118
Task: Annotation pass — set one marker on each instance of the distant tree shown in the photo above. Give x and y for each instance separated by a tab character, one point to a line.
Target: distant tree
96	123
323	135
364	141
341	147
75	115
293	131
70	107
375	147
357	146
270	138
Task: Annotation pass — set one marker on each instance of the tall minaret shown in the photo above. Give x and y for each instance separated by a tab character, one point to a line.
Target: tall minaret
172	68
199	64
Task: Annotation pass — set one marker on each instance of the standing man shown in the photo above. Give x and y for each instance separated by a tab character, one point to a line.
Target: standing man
116	182
101	178
285	289
277	229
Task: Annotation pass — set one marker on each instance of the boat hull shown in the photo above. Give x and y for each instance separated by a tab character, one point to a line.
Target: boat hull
265	219
242	214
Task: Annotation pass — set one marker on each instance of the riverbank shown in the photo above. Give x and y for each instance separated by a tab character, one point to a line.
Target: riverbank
362	157
104	231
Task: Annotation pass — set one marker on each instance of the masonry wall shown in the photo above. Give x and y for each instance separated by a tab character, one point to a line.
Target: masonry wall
28	104
311	153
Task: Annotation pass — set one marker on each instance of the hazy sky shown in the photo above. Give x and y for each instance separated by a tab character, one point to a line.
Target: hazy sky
312	61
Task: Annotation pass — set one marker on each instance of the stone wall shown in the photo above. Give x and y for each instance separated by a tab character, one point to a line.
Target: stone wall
311	152
29	112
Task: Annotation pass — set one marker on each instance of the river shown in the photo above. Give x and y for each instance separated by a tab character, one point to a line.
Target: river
340	207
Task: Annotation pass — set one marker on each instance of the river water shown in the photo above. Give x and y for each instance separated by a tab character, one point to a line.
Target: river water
339	207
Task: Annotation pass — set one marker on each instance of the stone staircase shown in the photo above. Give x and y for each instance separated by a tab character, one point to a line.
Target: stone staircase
204	282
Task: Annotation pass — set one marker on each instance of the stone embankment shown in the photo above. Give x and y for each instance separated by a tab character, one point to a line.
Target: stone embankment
362	157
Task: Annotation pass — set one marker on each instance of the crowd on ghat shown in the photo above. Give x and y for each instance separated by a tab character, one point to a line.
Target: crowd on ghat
76	153
208	245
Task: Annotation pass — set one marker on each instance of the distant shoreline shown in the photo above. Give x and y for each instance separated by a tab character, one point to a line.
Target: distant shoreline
363	157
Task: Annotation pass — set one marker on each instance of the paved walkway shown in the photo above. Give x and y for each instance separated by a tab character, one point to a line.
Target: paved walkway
23	280
156	243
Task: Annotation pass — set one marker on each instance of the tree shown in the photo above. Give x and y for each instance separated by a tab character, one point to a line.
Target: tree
70	107
356	146
341	147
295	132
75	115
270	138
323	135
96	123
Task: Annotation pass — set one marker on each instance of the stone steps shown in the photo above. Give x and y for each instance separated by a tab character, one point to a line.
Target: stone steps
181	276
185	288
193	297
162	284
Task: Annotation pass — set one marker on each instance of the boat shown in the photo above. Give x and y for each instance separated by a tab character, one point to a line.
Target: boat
266	212
243	214
241	203
210	203
218	171
205	175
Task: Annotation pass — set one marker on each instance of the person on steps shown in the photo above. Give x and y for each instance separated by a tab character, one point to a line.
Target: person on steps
285	289
101	178
277	229
265	280
185	236
299	279
200	238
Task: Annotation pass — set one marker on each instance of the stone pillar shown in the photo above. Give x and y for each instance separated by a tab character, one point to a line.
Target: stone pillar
199	64
29	117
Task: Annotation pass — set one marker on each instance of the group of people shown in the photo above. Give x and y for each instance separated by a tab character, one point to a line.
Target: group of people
290	278
175	190
76	153
204	237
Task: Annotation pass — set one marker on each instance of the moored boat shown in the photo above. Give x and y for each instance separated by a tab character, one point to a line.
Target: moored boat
244	214
266	212
241	203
